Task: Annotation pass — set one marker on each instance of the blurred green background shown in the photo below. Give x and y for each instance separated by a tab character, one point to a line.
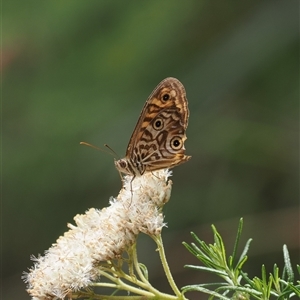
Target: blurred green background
81	71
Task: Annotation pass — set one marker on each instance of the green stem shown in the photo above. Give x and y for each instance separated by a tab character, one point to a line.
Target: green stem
137	266
145	288
162	255
146	284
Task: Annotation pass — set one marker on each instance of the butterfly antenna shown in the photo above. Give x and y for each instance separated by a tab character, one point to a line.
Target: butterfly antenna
111	152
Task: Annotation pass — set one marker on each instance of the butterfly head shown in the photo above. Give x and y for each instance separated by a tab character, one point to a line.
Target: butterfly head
125	166
122	166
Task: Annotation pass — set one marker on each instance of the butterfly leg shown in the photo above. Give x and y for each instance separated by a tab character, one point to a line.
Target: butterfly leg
131	189
154	175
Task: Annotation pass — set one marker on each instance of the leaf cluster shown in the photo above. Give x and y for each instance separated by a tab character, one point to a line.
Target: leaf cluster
235	282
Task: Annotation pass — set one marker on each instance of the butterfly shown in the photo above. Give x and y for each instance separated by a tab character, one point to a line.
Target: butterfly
157	141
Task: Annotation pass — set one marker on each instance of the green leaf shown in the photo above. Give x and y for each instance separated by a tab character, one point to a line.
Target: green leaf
206	291
237	239
210	270
244	253
287	263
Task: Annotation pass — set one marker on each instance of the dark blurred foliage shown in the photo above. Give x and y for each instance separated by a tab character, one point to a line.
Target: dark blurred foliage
81	71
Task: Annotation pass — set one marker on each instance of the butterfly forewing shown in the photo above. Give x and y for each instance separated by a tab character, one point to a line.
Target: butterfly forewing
157	141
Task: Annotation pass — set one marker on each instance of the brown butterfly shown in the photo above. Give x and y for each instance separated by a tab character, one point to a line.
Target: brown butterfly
157	141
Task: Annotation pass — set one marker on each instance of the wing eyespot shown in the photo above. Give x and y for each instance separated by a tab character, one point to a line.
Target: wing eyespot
166	97
176	143
158	124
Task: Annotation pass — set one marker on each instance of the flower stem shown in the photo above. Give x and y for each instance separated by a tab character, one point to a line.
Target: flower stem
162	255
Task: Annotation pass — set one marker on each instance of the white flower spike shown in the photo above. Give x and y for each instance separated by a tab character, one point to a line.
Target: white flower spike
72	263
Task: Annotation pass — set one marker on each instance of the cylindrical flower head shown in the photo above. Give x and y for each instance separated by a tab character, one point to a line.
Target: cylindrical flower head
72	262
